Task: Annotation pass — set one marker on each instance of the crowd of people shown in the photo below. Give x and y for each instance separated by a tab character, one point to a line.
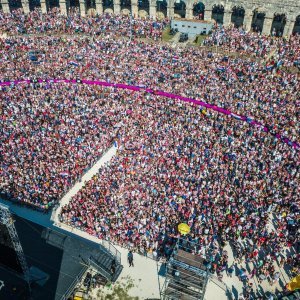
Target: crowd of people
236	39
49	138
176	162
266	93
54	22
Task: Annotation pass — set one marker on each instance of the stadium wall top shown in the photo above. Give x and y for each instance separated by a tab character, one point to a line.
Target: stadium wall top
269	17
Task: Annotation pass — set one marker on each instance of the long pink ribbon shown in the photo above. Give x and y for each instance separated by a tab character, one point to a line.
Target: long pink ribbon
164	94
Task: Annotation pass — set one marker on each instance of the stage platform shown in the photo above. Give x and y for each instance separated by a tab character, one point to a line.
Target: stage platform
54	259
55	269
190	259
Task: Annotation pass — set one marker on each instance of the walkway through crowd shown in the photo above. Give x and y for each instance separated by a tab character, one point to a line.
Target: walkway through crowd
86	177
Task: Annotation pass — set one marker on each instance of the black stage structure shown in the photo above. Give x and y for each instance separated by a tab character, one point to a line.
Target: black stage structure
56	262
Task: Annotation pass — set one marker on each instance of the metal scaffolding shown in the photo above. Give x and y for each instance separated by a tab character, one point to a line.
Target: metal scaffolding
7	220
186	275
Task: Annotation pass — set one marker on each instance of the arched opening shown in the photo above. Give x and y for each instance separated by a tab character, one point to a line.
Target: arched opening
161	8
143	6
278	24
53	3
14	4
90	4
218	13
34	4
258	21
73	6
237	16
179	9
74	3
297	25
198	10
125	7
108	6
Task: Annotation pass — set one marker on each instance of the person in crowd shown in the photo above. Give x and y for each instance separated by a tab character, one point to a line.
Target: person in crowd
130	258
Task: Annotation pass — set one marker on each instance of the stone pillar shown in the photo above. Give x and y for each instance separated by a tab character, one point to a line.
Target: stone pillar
227	17
5	6
248	20
152	11
82	7
267	24
63	7
170	11
25	5
288	28
43	6
189	11
117	7
207	15
99	7
134	9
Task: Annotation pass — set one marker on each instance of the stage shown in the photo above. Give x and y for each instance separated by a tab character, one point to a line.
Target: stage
55	260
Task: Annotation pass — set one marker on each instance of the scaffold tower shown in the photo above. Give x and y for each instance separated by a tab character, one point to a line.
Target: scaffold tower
186	274
7	220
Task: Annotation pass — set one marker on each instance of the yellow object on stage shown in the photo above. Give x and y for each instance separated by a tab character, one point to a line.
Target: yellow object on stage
184	228
294	284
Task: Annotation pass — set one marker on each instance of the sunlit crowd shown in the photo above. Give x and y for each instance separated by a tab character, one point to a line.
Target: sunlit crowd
176	162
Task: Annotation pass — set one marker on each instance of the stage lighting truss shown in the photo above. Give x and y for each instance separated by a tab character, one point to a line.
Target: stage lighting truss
7	220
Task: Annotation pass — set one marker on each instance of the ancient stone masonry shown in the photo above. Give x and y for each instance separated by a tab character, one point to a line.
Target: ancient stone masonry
277	17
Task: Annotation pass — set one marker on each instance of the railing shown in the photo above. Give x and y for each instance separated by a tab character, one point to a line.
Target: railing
103	272
71	288
91	263
111	249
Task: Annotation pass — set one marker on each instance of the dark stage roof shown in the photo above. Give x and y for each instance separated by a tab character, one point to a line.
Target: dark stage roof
55	260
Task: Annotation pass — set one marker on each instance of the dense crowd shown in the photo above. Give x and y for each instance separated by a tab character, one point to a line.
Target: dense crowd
265	92
283	50
176	162
49	137
236	39
206	170
54	22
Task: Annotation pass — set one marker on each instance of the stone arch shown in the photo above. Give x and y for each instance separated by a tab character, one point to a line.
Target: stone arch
14	4
198	10
125	6
179	8
278	24
258	20
144	7
161	8
218	13
108	6
237	16
297	25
